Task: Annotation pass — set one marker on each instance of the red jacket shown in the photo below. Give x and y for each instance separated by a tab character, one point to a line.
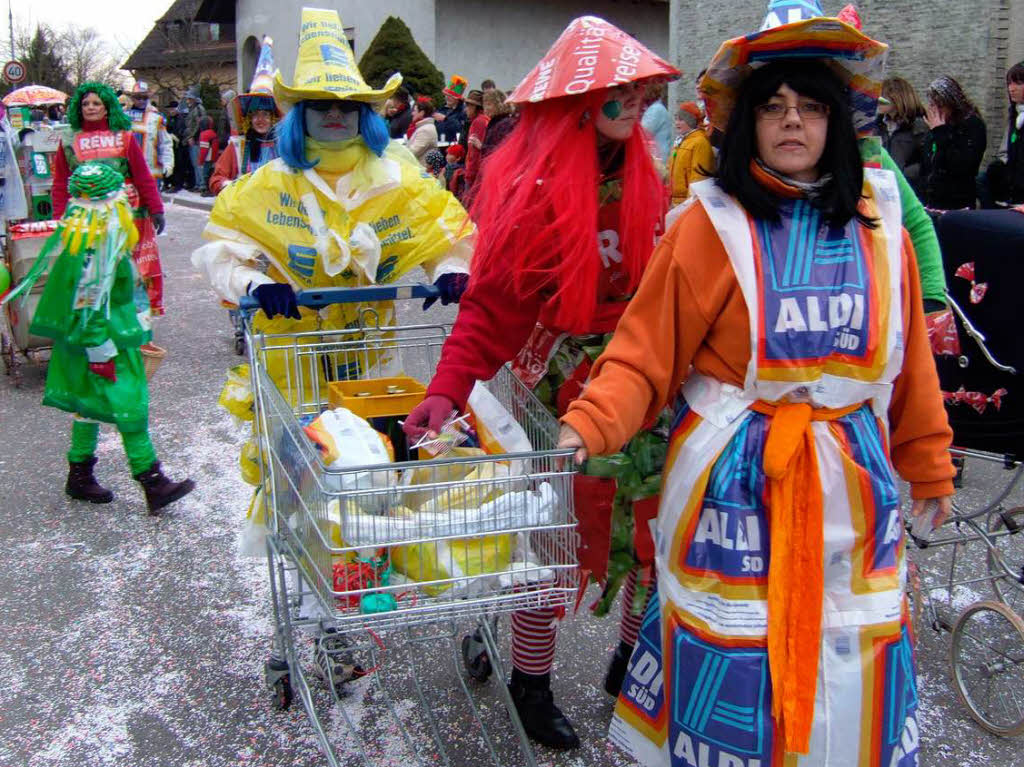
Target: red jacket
494	323
149	195
208	146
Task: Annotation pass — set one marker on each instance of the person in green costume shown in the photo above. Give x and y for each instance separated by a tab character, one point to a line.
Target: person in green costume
89	310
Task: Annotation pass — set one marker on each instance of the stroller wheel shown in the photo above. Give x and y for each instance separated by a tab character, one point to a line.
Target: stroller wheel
240	346
474	656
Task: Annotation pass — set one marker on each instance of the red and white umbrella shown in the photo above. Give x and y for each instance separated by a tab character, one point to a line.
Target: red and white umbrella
35	96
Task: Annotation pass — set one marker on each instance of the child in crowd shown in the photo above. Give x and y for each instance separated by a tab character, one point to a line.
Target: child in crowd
455	170
209	148
434	162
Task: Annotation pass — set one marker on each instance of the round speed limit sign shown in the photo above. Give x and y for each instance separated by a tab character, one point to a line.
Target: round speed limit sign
14	72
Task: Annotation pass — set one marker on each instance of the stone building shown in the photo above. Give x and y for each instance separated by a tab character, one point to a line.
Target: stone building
477	39
975	41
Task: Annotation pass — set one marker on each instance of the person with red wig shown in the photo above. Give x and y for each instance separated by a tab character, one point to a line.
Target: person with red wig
568	208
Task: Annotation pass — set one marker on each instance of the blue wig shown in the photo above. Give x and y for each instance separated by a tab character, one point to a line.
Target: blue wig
291	135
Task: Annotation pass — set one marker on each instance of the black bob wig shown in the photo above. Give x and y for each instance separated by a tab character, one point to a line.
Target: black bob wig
841	157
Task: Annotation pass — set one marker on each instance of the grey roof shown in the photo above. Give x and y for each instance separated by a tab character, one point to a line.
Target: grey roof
164	46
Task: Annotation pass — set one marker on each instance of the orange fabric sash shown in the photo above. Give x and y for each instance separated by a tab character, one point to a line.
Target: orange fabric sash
796	575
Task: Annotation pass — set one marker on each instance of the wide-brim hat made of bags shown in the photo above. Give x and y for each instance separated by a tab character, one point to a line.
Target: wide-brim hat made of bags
325	67
799	29
589	55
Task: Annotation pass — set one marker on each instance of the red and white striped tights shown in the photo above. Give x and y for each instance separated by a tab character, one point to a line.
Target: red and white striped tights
534	631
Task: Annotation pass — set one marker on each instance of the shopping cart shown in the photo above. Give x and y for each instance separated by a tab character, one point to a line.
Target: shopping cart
21	244
360	580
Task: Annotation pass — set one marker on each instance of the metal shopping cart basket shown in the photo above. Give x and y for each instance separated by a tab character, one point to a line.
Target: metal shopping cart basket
371	564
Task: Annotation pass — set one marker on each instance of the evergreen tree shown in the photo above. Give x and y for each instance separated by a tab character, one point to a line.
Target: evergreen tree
43	66
394	50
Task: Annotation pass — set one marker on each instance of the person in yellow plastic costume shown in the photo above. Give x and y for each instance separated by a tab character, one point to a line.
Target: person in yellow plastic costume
341	206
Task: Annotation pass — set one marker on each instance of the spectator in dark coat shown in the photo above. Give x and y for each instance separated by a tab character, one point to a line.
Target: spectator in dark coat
953	147
902	128
502	121
451	121
398	113
1003	182
177	126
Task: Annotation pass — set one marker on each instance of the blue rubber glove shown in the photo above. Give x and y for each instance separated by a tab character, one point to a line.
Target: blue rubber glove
159	222
451	285
276	298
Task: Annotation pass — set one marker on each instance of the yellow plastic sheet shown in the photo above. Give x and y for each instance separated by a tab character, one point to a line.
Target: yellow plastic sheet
470	557
236	396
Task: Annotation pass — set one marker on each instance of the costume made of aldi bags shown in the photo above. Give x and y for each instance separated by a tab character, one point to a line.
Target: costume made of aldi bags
779	517
88	307
97	143
780	635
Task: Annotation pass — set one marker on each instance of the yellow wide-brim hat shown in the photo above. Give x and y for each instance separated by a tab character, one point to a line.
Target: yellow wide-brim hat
325	67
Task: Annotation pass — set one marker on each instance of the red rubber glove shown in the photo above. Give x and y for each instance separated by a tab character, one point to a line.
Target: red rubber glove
104	369
428	416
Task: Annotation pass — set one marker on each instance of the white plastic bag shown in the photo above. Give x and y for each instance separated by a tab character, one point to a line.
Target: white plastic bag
349	441
499	432
527	508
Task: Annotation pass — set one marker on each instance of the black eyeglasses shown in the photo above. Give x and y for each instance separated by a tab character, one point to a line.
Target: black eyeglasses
808	110
326	105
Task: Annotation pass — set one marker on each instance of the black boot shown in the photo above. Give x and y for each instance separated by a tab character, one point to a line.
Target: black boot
82	485
542	719
160	491
617	669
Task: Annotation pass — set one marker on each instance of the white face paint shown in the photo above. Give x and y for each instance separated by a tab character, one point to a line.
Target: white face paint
338	123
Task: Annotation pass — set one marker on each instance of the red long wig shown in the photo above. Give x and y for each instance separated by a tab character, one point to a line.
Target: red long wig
537	207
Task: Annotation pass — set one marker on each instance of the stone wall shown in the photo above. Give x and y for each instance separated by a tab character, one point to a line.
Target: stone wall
974	41
504	40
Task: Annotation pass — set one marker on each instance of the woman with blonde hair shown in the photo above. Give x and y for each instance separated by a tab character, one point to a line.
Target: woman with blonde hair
502	119
901	126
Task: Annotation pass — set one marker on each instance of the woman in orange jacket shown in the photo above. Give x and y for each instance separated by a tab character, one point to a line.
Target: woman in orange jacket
782	315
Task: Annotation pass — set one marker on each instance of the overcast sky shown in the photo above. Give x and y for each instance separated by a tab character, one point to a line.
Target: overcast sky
123	22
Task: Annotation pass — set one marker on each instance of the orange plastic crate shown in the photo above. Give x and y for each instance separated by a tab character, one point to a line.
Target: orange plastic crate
371	398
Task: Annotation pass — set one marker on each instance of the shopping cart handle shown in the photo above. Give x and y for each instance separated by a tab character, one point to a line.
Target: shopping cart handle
318	298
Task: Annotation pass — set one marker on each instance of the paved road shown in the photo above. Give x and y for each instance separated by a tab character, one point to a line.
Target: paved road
134	642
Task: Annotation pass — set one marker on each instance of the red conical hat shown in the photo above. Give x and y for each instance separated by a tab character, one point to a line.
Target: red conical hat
589	55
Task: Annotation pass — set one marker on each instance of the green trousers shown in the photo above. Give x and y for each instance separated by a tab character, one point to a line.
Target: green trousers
137	445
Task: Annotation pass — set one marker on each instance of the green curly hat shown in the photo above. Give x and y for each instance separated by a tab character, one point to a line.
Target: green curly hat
116	118
94	181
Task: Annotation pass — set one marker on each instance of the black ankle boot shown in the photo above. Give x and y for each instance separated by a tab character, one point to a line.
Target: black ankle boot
617	669
82	484
160	491
542	719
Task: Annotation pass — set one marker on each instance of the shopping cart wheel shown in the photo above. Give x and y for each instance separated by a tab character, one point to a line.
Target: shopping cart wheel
987	658
474	656
280	681
334	662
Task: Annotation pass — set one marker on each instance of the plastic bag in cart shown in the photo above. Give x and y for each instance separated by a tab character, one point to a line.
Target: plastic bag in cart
468	559
346	440
508	511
